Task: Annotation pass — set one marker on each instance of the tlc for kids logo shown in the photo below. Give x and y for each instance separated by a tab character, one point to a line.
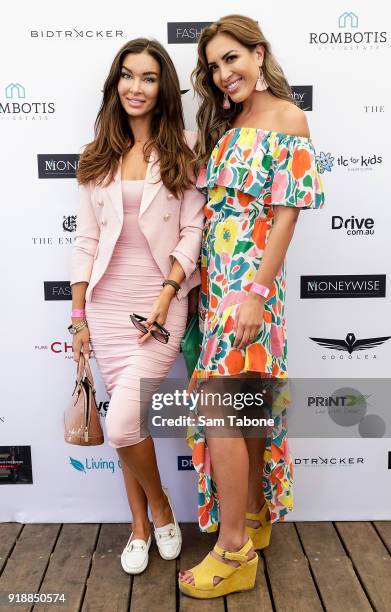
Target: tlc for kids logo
351	162
91	464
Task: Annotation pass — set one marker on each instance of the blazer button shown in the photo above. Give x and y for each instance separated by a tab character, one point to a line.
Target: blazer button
166	216
103	222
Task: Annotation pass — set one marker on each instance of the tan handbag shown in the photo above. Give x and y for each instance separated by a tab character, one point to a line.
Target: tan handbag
81	418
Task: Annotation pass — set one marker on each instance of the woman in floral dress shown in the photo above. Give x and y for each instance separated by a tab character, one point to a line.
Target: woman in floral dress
258	167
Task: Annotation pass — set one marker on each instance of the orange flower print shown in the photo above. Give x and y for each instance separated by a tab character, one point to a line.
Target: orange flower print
203	516
222	148
204	279
213	301
267	316
234	361
259	233
244	198
229	325
198	454
257	357
301	163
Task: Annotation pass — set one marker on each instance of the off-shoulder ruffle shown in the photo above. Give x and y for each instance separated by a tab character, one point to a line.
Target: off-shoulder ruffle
275	167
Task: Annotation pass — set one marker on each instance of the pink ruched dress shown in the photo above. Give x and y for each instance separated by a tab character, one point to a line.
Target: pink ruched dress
131	284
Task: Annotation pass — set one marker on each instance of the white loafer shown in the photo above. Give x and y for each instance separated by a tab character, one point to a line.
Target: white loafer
134	558
169	537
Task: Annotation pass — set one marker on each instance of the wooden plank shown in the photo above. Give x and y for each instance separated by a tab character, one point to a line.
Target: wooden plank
195	546
292	586
336	580
384	530
27	564
108	586
69	566
156	587
9	533
257	599
370	559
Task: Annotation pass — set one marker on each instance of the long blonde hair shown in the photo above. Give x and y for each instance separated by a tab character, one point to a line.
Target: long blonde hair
212	119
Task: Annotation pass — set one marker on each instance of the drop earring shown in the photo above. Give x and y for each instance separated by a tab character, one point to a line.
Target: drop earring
261	84
226	103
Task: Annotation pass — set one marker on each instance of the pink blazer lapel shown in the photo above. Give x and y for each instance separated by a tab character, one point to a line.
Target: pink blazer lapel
114	189
152	185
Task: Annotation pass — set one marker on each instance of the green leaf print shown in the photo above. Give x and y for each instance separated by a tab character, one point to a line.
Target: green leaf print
216	290
242	246
241	173
266	161
307	181
301	194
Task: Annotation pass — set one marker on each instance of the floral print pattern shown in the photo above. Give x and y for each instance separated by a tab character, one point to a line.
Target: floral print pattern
249	172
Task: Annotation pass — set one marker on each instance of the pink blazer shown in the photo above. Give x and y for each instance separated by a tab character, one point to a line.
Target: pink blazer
172	227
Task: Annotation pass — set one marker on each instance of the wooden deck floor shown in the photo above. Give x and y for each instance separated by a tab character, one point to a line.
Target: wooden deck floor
308	567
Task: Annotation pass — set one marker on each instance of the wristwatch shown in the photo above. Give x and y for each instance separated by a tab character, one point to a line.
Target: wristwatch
73	329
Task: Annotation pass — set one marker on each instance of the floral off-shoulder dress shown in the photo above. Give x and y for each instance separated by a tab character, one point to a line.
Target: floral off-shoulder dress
249	172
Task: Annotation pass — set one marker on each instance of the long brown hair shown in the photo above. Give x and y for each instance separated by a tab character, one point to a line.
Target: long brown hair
212	119
113	135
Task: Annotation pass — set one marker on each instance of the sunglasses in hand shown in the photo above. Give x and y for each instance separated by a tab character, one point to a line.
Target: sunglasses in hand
161	334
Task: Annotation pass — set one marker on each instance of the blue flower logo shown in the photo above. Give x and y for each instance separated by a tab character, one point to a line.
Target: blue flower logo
325	162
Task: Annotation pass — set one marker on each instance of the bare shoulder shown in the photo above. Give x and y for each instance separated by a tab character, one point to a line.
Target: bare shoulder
293	120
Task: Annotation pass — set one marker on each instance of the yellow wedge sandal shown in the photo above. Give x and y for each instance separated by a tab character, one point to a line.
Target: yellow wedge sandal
240	578
259	535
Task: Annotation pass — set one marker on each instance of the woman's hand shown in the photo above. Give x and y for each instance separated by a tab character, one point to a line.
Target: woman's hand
81	343
248	320
159	311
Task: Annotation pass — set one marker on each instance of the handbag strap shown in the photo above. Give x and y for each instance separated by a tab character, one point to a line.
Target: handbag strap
80	369
88	373
83	369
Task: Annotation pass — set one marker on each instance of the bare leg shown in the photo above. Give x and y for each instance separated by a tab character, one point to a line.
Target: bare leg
230	462
140	459
138	504
255	498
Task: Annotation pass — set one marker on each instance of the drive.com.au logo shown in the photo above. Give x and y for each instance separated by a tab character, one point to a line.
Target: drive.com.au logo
185	462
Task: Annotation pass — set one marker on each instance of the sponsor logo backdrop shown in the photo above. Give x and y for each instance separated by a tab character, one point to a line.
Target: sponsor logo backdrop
50	92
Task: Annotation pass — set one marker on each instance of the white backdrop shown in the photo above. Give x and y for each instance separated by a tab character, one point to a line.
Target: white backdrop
59	63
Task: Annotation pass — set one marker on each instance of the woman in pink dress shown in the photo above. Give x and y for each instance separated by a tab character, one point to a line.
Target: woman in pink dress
134	262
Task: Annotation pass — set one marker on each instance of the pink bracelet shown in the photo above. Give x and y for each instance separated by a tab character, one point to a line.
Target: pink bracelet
260	289
78	312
